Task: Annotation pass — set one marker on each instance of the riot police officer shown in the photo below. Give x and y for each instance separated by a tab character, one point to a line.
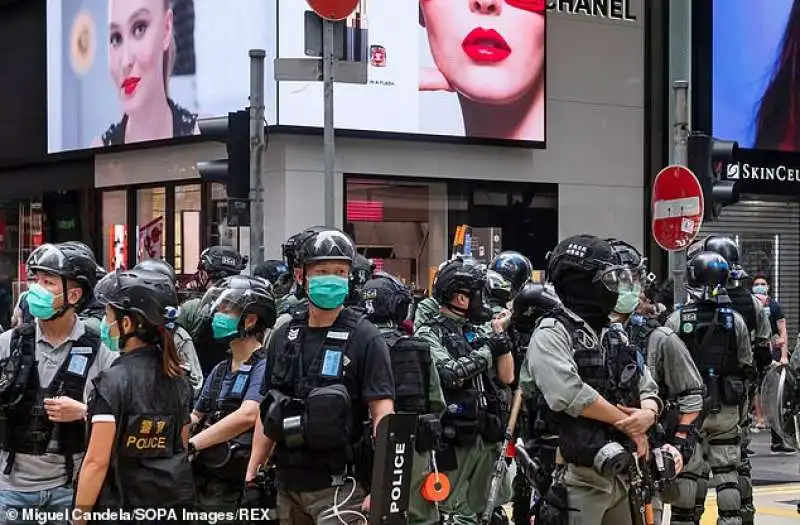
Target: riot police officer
271	270
243	308
183	341
139	420
514	267
719	342
328	371
93	312
360	273
757	321
296	292
417	390
670	364
538	425
587	385
217	263
499	292
472	424
48	366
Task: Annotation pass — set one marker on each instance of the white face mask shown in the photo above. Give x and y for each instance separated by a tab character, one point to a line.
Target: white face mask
761	289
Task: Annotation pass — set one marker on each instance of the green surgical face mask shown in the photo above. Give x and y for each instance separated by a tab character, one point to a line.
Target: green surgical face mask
111	341
628	301
328	292
40	302
224	326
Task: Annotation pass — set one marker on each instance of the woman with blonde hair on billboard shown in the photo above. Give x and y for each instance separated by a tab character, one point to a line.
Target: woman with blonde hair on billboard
492	54
141	53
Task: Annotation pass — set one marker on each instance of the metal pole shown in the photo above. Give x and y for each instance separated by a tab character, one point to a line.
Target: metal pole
328	63
679	156
257	147
680	66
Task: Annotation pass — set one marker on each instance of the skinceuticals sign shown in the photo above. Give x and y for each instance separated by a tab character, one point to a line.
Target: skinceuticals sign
611	9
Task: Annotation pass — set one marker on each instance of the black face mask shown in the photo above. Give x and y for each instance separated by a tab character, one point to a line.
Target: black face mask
591	300
477	312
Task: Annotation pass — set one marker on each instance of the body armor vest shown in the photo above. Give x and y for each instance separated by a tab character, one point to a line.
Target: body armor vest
708	331
24	426
411	365
742	302
217	408
462	402
292	378
613	372
639	327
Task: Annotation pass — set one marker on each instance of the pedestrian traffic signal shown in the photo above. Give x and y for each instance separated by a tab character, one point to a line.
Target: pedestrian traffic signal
233	172
708	158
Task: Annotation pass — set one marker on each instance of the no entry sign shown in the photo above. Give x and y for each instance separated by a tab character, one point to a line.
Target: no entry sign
333	9
677	206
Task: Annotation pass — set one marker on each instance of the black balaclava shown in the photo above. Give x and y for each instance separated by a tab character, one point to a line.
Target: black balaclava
591	300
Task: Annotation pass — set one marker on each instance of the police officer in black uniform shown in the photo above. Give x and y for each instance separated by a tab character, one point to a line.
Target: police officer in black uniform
719	342
328	371
227	409
217	262
48	366
386	301
140	408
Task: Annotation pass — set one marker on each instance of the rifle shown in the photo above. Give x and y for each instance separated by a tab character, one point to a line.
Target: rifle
640	495
501	465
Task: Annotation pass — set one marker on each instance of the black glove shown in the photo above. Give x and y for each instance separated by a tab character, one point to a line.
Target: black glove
500	345
251	495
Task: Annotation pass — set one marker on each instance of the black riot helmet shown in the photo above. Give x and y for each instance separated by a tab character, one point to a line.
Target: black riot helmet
466	276
221	261
498	287
244	295
271	270
157	266
515	267
588	276
385	299
149	296
532	301
292	246
632	258
101	272
329	244
70	261
707	271
360	272
724	246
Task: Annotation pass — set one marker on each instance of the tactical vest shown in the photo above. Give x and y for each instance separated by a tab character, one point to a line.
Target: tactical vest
291	377
462	402
411	365
216	408
742	302
24	426
709	332
601	368
639	327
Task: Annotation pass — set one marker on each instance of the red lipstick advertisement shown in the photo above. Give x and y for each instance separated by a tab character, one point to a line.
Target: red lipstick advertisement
486	46
534	6
130	84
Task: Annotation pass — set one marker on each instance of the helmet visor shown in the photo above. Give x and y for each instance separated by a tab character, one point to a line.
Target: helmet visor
617	279
47	258
232	301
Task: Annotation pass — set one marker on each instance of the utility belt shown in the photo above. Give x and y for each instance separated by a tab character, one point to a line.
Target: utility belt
462	423
224	461
728	390
588	443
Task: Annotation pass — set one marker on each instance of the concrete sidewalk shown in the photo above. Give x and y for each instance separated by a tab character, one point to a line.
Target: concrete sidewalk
775	505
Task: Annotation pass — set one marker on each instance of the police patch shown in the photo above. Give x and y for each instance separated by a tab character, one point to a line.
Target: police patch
293	333
687	328
331	363
77	364
238	383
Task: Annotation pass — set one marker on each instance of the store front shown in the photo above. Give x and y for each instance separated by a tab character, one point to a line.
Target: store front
167	213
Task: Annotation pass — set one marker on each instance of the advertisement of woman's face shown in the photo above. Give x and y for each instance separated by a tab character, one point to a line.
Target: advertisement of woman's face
491	51
140	33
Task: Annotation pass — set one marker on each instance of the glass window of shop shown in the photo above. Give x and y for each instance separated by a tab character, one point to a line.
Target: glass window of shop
408	227
151	211
188	208
114	206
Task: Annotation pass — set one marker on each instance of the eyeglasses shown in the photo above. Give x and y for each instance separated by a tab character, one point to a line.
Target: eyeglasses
617	279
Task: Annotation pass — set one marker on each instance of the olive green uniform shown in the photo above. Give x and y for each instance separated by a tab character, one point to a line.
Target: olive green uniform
720	437
592	498
427	309
470	481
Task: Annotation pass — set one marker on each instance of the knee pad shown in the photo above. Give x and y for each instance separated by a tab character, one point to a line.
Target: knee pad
729	498
682	515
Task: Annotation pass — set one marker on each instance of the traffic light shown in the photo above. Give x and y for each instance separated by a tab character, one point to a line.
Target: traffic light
708	158
233	172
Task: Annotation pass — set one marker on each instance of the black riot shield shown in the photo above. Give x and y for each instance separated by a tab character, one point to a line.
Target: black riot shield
391	472
780	402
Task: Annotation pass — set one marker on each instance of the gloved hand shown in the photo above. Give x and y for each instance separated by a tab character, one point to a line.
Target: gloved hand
251	495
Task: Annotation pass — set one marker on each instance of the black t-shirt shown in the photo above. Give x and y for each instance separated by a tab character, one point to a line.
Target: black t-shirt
149	465
775	315
366	349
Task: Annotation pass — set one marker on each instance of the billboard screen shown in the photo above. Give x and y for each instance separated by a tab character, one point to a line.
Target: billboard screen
126	71
756	53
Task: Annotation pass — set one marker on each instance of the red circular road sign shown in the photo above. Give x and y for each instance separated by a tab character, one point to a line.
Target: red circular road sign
677	208
333	9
